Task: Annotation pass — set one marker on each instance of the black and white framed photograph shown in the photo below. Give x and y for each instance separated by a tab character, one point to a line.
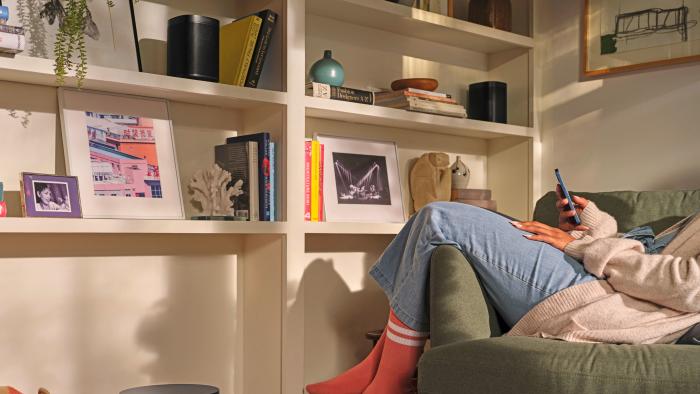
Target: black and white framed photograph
361	181
46	195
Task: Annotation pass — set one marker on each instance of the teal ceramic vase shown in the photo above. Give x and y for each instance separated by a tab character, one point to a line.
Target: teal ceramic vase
327	70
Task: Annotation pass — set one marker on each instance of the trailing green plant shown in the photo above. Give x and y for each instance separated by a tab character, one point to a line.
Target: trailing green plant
70	43
69	50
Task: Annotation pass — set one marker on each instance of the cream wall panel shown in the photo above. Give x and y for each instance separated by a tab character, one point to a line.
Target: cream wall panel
628	132
99	318
342	302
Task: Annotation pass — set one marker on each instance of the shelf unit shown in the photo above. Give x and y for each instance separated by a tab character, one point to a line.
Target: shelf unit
276	260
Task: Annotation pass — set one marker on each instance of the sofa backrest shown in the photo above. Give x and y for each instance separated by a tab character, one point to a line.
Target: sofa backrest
658	209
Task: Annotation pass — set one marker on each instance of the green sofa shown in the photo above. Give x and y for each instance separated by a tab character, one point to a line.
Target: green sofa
469	355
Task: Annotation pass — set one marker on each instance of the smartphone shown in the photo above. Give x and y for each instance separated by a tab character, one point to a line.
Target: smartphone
575	220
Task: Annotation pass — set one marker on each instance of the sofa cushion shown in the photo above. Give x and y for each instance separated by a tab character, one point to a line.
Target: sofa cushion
532	365
658	209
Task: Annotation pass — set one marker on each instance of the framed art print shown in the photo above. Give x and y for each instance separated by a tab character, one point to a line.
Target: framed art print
121	149
110	39
628	35
361	181
51	196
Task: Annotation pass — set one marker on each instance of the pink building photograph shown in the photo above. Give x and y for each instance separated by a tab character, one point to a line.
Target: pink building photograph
123	155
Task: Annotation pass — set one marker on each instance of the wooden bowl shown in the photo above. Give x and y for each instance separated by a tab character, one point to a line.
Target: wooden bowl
415	83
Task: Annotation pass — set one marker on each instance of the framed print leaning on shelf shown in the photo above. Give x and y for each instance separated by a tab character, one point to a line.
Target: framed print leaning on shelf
361	181
121	149
628	35
50	196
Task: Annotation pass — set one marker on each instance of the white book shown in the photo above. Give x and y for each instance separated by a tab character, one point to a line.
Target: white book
12	43
254	180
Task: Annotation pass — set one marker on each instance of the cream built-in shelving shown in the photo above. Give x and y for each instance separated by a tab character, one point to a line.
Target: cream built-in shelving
271	354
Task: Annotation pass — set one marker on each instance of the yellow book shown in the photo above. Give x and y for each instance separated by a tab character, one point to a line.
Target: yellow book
236	45
315	179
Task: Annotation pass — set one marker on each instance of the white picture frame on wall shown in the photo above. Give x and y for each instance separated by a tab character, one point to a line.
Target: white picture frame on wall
122	151
361	181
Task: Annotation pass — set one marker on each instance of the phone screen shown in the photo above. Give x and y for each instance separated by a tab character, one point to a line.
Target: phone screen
574	219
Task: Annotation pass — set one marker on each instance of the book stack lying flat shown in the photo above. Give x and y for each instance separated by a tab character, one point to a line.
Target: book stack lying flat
11	39
421	101
243	47
478	197
341	93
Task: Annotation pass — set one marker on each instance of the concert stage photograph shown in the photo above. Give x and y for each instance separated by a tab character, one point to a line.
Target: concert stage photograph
361	179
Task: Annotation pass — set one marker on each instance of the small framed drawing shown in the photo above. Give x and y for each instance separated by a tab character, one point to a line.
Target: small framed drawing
361	181
51	196
628	35
121	149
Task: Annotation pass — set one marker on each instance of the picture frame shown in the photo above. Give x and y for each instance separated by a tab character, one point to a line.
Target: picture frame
630	35
121	149
110	41
51	196
361	181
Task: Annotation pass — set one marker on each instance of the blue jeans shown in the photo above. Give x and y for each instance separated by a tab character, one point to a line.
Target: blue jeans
516	273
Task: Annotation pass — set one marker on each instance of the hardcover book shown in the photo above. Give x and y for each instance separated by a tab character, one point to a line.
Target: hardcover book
237	42
269	20
307	180
326	91
240	159
263	160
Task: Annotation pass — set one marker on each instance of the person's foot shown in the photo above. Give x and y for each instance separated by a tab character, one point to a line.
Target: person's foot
402	350
356	379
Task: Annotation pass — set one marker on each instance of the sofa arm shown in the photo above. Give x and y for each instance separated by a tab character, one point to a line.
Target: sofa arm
458	307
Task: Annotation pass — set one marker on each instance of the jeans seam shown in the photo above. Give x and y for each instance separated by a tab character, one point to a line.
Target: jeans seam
502	269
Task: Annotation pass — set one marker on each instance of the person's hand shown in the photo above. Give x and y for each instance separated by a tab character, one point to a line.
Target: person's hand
543	233
580	204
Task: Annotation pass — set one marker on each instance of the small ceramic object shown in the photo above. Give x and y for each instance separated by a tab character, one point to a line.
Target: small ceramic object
327	70
415	83
460	174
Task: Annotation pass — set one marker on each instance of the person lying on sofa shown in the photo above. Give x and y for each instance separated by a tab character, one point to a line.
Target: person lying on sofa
579	284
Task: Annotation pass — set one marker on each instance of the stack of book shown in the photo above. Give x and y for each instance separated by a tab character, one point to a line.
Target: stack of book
313	181
478	197
341	93
11	39
421	101
251	158
243	47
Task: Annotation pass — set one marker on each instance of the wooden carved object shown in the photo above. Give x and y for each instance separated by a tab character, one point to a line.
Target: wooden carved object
430	179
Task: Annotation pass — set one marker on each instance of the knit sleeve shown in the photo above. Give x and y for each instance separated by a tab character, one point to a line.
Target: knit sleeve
599	223
673	282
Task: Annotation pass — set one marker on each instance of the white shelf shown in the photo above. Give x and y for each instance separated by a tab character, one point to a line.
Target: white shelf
135	226
39	71
413	22
352	228
402	119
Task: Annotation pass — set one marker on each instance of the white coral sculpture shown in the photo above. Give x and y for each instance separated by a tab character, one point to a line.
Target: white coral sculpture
210	189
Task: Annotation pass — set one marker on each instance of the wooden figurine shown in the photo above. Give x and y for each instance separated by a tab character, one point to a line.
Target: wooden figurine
430	179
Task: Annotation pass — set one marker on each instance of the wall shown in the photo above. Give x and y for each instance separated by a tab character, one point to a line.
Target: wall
628	132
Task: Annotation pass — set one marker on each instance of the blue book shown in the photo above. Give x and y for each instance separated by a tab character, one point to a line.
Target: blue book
263	140
273	185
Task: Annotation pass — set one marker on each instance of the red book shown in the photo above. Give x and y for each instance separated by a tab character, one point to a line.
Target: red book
307	180
320	187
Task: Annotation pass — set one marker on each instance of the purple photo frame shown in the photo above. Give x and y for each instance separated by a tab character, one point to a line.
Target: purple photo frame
51	196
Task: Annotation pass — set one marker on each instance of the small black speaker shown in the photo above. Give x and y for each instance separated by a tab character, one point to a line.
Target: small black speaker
488	101
193	47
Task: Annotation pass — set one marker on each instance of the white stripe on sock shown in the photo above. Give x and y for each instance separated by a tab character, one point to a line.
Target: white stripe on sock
404	341
406	331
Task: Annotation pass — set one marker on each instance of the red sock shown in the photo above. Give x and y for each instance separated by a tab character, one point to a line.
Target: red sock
356	379
402	350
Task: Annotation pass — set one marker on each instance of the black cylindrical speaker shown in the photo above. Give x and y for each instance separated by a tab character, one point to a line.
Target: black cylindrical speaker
193	47
488	101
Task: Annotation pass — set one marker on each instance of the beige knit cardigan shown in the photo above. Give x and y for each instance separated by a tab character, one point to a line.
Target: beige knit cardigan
638	298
